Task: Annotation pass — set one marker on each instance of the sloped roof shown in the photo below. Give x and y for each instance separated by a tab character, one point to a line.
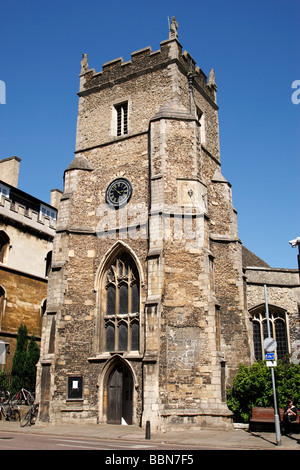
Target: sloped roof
250	259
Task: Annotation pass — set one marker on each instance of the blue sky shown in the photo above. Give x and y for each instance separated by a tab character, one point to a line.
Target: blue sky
253	47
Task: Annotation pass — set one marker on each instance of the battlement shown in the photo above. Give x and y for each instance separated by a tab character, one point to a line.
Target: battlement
144	61
19	213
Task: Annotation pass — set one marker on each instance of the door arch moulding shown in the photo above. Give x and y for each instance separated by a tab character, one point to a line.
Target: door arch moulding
102	385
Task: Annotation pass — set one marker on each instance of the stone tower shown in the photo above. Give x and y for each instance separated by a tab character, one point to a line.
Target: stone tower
145	316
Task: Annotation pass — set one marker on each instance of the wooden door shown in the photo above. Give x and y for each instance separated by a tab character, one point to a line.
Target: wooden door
115	392
127	397
119	399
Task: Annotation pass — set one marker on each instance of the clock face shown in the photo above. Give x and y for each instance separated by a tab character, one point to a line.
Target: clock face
119	192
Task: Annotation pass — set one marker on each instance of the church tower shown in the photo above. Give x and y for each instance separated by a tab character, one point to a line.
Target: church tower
145	316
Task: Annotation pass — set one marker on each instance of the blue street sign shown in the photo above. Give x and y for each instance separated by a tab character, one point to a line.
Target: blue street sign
270	356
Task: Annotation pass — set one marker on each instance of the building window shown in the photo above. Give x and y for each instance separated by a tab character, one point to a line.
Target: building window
48	212
201	120
211	273
278	329
121	305
75	388
121	111
2	304
4	246
135	335
48	260
4	190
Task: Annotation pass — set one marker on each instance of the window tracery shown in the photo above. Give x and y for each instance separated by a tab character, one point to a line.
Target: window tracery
278	326
121	306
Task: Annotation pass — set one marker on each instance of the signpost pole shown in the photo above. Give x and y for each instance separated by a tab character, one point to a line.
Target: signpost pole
276	417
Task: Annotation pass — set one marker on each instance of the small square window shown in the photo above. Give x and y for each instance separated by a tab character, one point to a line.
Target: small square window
4	190
47	212
75	388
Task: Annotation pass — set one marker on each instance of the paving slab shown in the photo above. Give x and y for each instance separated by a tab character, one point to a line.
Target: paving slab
235	439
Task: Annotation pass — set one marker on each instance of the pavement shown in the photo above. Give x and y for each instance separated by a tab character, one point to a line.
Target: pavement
235	439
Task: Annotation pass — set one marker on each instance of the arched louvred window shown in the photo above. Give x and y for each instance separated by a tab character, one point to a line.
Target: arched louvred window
278	330
121	306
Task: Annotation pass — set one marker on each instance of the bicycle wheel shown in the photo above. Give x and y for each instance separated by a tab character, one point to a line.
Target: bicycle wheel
33	417
14	415
30	398
26	418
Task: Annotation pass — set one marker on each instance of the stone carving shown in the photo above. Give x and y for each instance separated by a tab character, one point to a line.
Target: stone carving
173	29
84	64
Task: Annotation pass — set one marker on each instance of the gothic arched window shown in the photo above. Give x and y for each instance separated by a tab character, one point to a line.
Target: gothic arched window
4	245
121	305
278	330
2	303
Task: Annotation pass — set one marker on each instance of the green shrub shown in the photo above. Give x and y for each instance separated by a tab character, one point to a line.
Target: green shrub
4	380
252	386
32	357
24	362
17	370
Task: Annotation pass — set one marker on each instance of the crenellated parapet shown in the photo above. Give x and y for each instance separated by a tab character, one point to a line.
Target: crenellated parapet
144	61
26	217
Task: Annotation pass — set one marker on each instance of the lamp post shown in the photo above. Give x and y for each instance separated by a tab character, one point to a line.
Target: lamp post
270	346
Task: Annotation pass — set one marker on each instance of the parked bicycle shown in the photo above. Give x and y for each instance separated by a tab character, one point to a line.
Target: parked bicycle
23	395
30	416
10	411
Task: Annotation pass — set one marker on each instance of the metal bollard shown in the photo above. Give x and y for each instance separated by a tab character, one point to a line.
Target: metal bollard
147	436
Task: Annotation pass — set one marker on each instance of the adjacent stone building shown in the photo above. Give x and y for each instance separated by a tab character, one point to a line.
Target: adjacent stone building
147	316
27	228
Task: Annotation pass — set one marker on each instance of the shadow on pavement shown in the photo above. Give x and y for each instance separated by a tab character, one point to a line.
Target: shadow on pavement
271	439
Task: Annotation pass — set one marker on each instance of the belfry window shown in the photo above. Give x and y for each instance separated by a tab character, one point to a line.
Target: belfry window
278	328
201	120
121	306
122	118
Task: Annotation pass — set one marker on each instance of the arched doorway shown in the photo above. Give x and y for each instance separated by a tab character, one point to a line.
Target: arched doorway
119	395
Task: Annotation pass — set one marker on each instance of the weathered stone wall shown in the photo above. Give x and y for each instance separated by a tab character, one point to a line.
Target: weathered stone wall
30	237
283	291
24	297
181	230
23	267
